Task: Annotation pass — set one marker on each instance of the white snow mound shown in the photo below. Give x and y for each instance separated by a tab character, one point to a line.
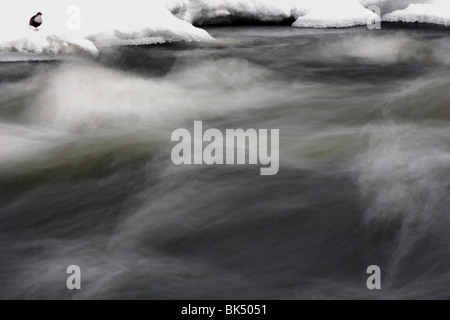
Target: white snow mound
92	23
208	11
336	14
42	42
434	13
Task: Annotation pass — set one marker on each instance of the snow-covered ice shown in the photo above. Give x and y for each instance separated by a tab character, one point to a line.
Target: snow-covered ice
388	6
101	23
330	12
208	11
43	42
336	14
136	22
308	13
437	12
311	13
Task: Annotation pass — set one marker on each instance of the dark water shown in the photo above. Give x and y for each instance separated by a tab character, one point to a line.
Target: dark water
86	176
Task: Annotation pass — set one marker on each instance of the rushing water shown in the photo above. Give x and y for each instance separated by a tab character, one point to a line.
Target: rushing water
86	176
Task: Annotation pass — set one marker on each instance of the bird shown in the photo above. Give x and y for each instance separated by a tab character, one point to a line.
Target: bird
36	21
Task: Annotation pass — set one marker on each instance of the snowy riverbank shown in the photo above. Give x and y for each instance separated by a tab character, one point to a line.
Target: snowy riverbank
138	22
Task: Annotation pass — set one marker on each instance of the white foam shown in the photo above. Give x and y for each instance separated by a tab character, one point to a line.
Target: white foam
395	48
102	100
400	171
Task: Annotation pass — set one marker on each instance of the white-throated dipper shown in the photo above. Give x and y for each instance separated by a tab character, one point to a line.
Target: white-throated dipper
36	20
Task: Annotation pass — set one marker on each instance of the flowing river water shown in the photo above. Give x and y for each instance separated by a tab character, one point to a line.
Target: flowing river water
86	176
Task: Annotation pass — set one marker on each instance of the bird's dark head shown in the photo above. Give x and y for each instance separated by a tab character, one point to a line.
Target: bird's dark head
39	14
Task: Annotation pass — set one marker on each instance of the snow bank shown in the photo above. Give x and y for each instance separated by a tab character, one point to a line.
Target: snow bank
137	20
119	22
92	23
388	6
42	42
312	13
211	11
335	14
434	13
309	13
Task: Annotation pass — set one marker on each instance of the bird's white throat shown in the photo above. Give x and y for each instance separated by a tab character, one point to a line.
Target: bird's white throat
38	19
